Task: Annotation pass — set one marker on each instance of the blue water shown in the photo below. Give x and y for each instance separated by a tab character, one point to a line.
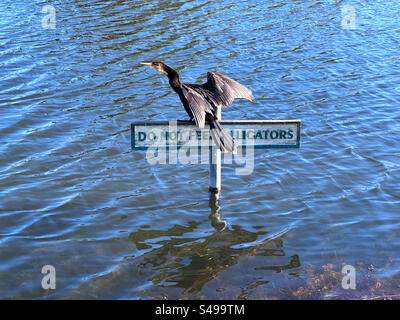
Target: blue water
73	194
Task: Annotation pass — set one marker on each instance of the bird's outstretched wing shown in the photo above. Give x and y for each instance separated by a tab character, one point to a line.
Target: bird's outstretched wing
224	89
197	104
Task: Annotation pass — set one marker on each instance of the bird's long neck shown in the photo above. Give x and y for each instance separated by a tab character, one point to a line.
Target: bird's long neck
173	77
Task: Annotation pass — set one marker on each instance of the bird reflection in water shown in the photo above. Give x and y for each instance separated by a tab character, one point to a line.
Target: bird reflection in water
189	264
184	261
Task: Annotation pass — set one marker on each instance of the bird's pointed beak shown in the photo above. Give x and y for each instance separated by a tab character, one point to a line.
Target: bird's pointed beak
146	63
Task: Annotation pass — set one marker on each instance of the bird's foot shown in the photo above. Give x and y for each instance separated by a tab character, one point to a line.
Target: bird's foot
187	120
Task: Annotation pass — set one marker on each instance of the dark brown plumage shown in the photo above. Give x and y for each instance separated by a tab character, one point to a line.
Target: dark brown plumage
201	101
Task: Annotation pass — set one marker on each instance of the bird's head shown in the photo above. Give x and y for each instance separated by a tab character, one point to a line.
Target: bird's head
157	65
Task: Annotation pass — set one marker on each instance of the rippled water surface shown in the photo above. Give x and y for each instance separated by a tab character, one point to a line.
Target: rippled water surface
73	194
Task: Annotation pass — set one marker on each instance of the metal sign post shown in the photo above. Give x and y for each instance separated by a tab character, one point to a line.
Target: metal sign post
215	164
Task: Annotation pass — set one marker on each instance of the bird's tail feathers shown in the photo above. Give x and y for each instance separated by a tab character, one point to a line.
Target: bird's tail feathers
222	138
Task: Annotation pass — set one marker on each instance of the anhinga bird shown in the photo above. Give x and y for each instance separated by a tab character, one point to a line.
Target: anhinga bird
201	101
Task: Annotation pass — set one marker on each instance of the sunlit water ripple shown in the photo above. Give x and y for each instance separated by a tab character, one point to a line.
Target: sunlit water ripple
74	196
